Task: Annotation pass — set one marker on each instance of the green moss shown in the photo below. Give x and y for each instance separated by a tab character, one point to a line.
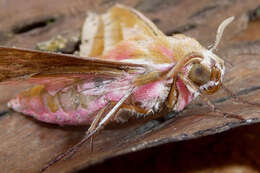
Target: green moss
55	44
254	14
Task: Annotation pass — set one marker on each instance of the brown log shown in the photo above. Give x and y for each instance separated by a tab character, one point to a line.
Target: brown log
26	145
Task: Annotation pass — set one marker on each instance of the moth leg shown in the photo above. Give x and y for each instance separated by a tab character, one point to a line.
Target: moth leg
130	111
100	125
89	134
214	109
94	125
171	73
209	103
238	99
135	108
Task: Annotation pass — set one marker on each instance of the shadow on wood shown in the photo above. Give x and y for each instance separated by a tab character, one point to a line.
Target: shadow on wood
26	145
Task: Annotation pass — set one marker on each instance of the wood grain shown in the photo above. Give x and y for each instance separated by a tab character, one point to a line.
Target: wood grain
26	145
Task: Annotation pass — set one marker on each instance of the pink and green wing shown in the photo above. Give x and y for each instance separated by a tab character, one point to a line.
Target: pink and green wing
123	33
66	89
75	103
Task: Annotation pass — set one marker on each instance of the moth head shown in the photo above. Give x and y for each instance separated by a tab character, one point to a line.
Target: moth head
205	72
205	69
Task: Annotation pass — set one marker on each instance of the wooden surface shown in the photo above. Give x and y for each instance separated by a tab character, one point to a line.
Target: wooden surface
234	151
26	145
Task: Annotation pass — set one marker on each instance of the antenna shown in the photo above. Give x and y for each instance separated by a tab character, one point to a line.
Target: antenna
220	31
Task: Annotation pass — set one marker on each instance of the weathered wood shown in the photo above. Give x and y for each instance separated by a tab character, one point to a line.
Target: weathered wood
234	151
26	145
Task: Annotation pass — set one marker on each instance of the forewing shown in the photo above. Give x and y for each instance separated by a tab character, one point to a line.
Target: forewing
63	89
21	64
117	35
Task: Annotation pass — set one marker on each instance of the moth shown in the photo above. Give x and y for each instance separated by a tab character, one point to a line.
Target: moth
127	67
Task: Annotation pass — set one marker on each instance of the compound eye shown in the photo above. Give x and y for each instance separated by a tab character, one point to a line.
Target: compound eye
199	74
